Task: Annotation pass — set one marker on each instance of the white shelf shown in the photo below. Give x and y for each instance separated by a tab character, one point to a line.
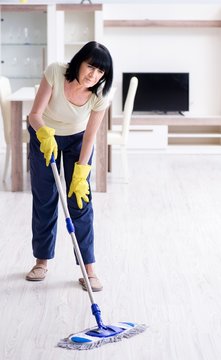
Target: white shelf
24	77
189	135
76	43
179	149
193	149
163	23
172	120
24	44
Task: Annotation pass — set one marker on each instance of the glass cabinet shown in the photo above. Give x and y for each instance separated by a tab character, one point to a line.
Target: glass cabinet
77	24
34	35
23	44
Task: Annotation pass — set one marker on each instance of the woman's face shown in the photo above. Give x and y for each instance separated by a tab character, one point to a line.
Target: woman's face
89	75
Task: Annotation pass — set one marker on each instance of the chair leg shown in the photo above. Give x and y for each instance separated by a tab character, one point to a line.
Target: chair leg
7	160
28	157
125	163
109	158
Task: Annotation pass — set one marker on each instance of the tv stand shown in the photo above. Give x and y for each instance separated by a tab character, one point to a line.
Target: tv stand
181	133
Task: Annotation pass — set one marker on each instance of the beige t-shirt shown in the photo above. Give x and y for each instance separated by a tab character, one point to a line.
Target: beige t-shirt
60	114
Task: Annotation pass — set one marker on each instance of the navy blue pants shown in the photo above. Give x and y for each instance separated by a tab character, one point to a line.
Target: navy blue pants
45	199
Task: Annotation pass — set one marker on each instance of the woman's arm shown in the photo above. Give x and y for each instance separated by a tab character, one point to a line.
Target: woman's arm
41	101
93	125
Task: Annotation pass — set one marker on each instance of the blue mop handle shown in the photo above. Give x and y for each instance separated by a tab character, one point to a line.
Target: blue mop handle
97	313
70	227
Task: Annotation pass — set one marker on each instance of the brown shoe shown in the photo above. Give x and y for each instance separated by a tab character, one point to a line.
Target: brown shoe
94	282
37	273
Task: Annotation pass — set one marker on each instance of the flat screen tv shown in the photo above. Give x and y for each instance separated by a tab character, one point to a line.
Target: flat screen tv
159	92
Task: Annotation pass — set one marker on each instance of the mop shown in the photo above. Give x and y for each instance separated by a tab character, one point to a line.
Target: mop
100	334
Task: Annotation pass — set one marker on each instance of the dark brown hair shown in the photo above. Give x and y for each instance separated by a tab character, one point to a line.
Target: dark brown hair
96	55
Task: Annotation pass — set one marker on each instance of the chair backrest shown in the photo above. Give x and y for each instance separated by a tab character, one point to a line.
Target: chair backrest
5	105
128	107
36	88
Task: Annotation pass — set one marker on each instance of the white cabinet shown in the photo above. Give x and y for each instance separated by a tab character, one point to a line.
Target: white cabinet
23	44
148	137
76	25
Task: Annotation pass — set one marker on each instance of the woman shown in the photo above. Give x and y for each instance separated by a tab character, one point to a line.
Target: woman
66	114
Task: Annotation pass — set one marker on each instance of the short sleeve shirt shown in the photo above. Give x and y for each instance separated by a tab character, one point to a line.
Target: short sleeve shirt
60	114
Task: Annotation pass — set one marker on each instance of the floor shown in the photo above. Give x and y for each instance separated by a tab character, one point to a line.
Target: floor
158	254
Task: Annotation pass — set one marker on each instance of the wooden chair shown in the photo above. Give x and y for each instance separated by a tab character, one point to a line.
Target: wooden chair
120	137
5	105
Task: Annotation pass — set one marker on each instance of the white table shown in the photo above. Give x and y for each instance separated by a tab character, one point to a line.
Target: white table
18	98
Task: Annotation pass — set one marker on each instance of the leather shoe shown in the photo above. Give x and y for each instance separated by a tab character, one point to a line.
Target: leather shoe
94	282
37	273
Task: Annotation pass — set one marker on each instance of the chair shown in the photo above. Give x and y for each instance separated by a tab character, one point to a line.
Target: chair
5	91
120	137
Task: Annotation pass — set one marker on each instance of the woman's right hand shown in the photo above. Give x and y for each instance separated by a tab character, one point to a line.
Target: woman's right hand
48	143
79	185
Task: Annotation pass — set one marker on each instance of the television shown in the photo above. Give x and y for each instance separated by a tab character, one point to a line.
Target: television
159	91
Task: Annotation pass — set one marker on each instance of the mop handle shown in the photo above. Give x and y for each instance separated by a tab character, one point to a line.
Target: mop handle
70	228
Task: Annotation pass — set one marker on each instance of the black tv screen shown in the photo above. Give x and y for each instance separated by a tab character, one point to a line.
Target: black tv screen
159	92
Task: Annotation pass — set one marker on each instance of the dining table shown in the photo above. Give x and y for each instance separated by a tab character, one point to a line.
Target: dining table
19	99
23	99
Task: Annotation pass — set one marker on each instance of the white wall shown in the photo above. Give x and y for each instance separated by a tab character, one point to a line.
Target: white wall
197	51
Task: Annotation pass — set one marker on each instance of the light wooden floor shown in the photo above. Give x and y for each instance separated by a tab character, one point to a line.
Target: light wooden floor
158	246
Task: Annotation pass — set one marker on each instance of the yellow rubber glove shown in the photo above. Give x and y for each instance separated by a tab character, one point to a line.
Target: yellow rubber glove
48	143
79	184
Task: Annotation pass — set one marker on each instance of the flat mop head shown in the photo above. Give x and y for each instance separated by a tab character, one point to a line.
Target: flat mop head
96	337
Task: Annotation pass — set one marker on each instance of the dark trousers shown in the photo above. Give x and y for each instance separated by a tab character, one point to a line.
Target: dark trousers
45	199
